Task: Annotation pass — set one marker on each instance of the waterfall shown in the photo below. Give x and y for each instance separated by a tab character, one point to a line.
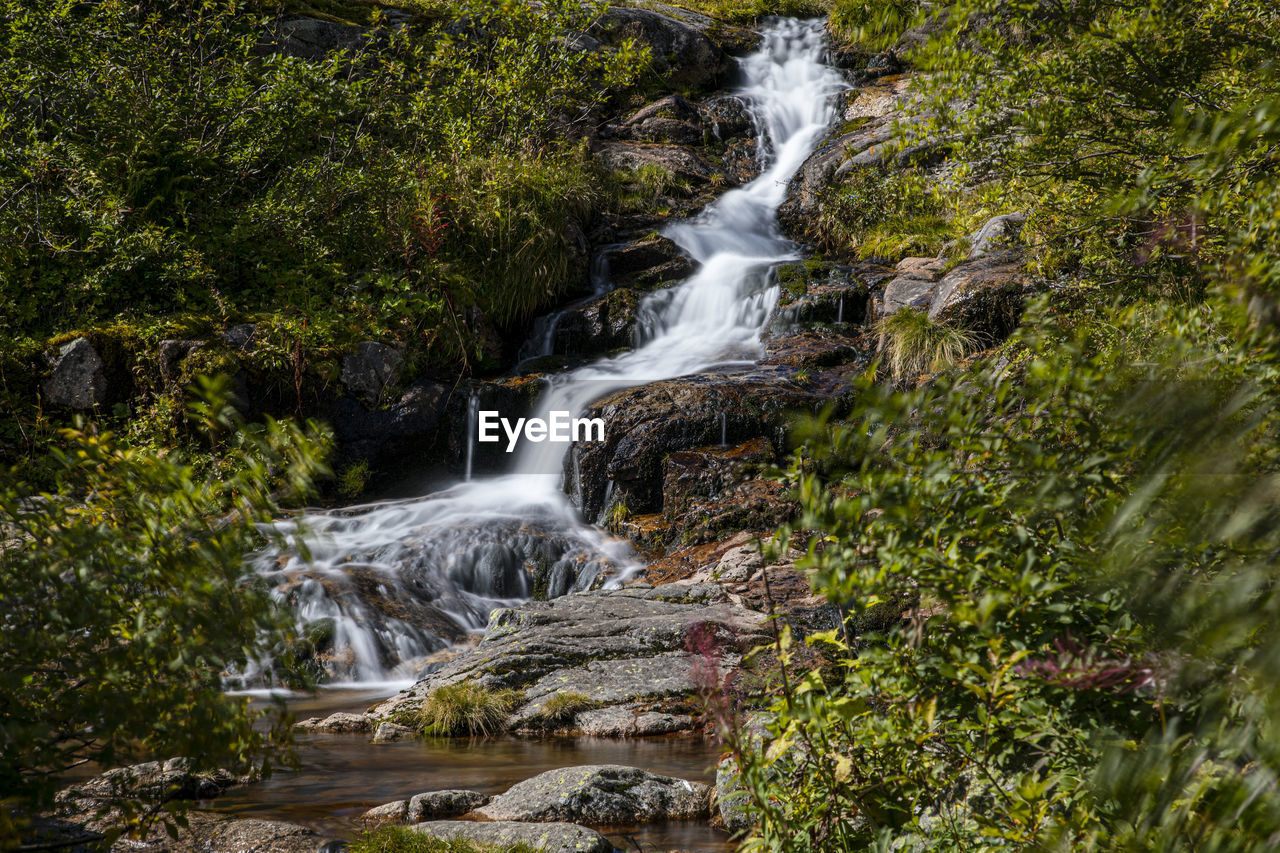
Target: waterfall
445	560
473	408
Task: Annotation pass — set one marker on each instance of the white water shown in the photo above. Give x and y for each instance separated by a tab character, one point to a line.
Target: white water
442	549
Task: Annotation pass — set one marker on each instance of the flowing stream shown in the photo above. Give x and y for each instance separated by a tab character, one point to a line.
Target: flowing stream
381	586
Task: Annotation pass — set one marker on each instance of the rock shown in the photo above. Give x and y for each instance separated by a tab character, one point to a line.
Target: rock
670	119
395	812
624	721
647	264
340	723
649	422
219	835
312	38
601	324
601	794
440	805
370	369
731	798
77	378
986	296
681	51
171	355
905	292
151	781
632	156
240	337
926	269
551	837
996	232
388	732
407	428
616	647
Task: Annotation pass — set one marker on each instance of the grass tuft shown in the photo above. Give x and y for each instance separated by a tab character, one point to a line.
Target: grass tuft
914	343
561	708
466	709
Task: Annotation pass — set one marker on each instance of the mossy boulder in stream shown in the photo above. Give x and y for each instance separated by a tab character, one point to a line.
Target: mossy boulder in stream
600	795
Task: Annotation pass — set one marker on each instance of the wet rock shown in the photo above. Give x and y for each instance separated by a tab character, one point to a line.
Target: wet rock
647	423
551	837
368	371
388	732
616	647
648	263
726	116
701	474
441	805
77	378
340	723
624	721
604	323
602	794
402	429
681	50
671	119
633	156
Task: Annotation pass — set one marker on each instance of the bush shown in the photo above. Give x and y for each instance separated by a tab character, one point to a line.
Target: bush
123	600
1080	550
466	709
914	343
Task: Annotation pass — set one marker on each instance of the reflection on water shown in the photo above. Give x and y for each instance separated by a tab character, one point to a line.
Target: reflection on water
342	776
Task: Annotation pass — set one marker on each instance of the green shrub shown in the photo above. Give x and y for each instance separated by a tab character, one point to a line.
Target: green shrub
466	709
122	591
915	344
402	839
882	213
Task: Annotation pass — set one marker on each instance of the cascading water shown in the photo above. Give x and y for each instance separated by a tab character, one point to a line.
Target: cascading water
385	584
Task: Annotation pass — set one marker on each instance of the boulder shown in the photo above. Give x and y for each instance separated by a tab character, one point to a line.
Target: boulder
986	296
389	732
601	795
997	232
312	38
216	834
341	723
240	337
615	647
440	805
171	355
550	837
647	264
681	50
368	371
906	292
599	325
151	781
408	426
633	156
77	377
433	805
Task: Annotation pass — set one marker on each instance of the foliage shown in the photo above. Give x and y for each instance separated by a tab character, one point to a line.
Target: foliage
402	839
914	343
882	213
751	11
1082	555
155	160
1141	137
123	602
466	708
